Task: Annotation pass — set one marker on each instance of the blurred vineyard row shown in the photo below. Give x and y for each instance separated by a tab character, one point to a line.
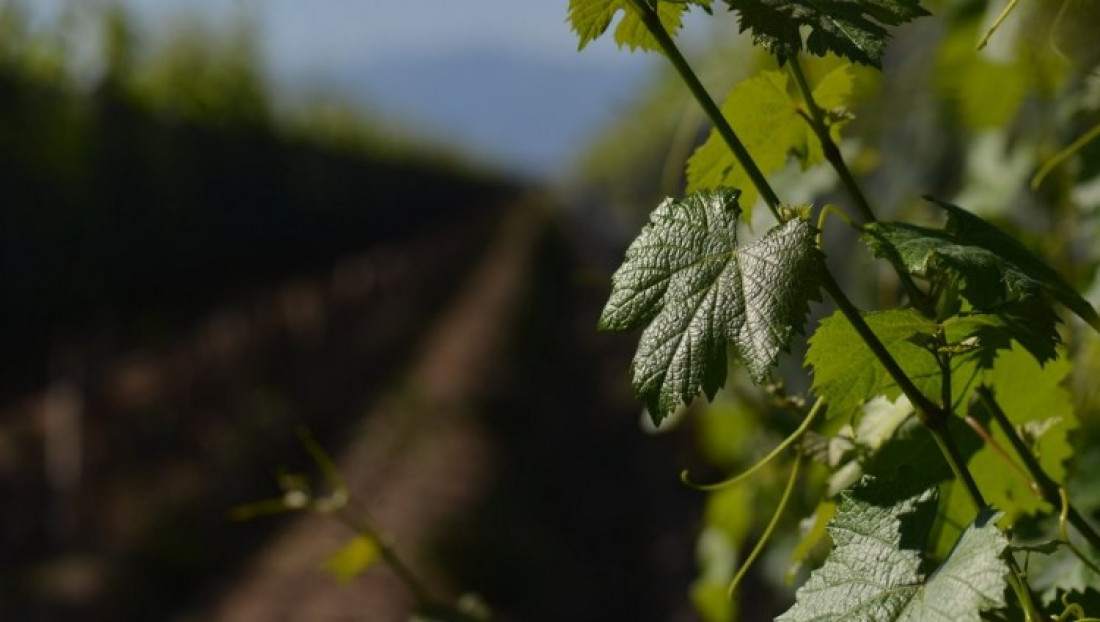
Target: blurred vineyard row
190	266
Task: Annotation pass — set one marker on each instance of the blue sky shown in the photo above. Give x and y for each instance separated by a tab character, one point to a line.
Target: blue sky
349	43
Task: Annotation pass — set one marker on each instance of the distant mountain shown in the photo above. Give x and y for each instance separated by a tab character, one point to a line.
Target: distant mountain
529	114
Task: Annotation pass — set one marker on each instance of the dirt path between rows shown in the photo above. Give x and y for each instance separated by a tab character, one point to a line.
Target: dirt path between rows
417	460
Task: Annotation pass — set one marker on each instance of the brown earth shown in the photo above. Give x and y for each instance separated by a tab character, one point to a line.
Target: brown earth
420	457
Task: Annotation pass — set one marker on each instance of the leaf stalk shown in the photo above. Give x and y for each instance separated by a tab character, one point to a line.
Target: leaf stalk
828	146
816	120
764	537
742	476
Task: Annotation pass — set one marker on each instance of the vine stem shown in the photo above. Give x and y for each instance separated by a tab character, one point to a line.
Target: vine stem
928	413
1016	577
992	443
341	505
933	417
828	146
653	24
835	158
1048	487
764	537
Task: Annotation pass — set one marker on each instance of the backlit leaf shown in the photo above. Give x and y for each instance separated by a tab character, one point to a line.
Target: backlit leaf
765	115
846	372
1037	404
632	33
591	18
1028	394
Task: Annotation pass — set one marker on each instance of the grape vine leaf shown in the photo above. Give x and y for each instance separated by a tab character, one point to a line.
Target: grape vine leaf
989	266
846	372
1028	394
686	279
591	18
855	29
878	423
765	116
1031	323
1040	407
633	33
983	277
876	572
1057	570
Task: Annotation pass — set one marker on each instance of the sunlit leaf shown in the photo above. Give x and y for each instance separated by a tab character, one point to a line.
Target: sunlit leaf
876	572
846	371
1028	394
694	288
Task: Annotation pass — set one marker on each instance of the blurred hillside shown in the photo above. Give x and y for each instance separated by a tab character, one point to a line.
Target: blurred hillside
170	182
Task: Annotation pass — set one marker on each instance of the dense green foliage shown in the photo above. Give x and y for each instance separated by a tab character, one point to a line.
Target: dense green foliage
951	398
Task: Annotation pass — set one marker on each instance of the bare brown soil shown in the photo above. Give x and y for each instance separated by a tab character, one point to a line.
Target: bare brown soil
419	458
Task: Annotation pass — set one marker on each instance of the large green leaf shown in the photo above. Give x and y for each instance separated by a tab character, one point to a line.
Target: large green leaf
686	279
765	116
1031	323
855	29
1040	408
983	277
876	572
847	373
989	266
